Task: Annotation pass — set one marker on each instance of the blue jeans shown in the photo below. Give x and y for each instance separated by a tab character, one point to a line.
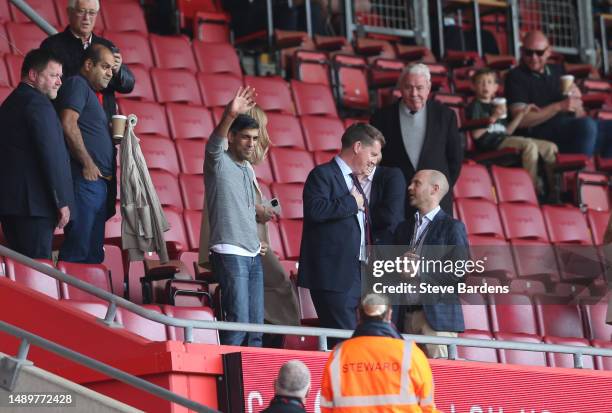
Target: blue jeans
84	234
242	292
581	135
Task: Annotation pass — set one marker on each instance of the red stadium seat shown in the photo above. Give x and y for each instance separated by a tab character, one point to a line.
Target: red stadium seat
475	313
5	14
159	153
303	343
290	165
192	189
143	88
191	155
321	157
24	37
474	182
95	309
5	91
535	259
44	8
176	239
558	318
312	99
29	277
189	122
291	234
175	85
290	198
144	327
193	220
566	225
527	287
496	254
112	229
217	58
5	47
352	81
272	93
212	27
123	17
285	130
134	48
151	117
276	243
603	363
192	313
477	353
94	274
512	313
593	191
311	67
598	222
263	171
218	89
322	134
523	222
172	52
166	186
530	358
113	260
308	314
513	185
13	66
480	217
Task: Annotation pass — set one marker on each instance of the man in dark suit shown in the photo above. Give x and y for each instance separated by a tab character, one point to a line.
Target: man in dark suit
337	229
433	234
420	134
34	162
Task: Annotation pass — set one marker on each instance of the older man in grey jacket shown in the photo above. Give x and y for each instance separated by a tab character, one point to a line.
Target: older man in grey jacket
230	196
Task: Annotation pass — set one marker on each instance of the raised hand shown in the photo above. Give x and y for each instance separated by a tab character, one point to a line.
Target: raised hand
242	102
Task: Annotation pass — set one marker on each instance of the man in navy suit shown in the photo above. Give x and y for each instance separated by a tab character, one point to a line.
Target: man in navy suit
337	228
434	235
34	163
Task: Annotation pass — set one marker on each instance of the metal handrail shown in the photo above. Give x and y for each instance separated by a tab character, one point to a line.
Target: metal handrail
321	333
35	17
29	338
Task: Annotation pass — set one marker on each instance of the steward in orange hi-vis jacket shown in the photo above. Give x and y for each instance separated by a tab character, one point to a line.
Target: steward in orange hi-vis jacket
376	370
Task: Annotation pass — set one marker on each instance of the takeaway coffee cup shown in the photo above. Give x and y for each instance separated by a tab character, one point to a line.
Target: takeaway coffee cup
501	102
566	84
118	122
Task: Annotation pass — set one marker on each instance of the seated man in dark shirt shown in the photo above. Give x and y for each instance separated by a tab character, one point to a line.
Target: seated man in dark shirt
91	154
560	118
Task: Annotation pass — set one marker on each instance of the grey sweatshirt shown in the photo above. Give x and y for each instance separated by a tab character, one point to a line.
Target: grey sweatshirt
230	198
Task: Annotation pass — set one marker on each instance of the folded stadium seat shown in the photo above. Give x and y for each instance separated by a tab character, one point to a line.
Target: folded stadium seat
193	220
594	312
189	122
276	242
527	287
303	343
5	47
29	277
5	91
187	10
113	260
285	130
412	53
499	62
112	228
566	225
151	117
190	259
149	329
495	253
321	157
44	8
212	27
218	89
191	155
373	48
474	182
263	171
593	191
93	308
480	217
175	237
598	222
331	43
95	274
159	153
308	314
24	37
313	99
322	134
462	58
172	52
567	289
143	88
134	47
603	363
290	165
290	198
524	357
217	58
477	353
167	188
558	316
512	313
522	221
272	93
351	75
311	67
385	72
291	235
123	17
204	336
175	85
475	313
513	185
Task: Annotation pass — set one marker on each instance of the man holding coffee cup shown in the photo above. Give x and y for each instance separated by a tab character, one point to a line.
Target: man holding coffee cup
560	116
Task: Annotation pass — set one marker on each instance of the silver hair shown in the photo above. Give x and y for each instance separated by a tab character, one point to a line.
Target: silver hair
374	305
415	69
72	4
293	379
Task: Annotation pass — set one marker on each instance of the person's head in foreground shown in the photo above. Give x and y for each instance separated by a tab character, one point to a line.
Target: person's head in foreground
427	189
293	380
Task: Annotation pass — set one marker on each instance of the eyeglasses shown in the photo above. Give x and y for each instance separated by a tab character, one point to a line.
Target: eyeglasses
532	52
83	12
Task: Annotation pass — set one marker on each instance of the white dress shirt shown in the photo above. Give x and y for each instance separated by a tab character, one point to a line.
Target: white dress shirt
346	173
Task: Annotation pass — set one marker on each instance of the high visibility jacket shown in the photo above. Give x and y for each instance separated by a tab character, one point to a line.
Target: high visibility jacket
376	374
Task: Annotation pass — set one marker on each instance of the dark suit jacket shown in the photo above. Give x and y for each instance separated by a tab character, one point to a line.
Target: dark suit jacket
387	203
329	252
444	231
442	149
34	163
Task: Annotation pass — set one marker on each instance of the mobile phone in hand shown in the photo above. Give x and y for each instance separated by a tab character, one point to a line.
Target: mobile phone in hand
274	203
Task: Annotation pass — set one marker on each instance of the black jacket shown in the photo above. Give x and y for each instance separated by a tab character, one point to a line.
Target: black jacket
284	404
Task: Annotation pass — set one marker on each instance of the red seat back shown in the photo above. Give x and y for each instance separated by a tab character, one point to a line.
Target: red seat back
192	189
94	274
290	165
322	134
175	85
189	122
172	52
32	278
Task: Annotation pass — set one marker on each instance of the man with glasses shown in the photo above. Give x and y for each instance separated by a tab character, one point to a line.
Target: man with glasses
70	45
558	117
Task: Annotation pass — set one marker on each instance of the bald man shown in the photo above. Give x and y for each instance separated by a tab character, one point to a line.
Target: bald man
291	388
434	235
557	117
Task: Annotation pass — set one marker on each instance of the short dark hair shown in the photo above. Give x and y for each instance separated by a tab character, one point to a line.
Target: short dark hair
37	60
243	122
94	53
484	72
362	132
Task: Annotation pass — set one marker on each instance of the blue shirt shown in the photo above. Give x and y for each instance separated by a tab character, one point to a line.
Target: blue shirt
77	94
